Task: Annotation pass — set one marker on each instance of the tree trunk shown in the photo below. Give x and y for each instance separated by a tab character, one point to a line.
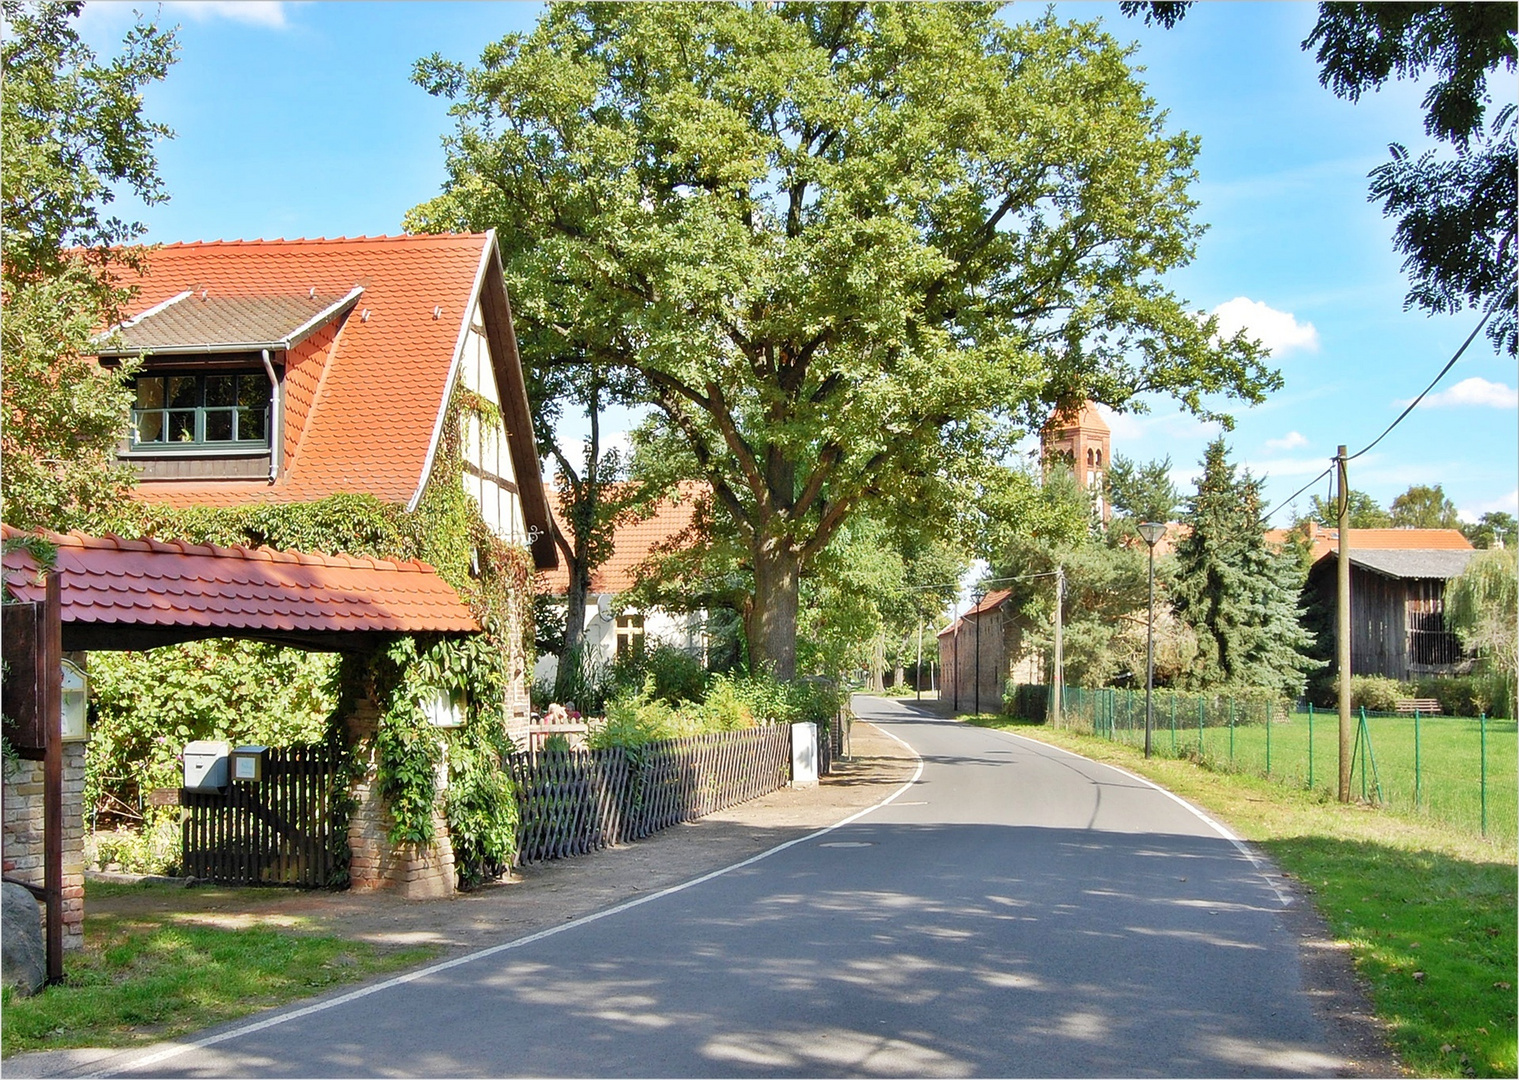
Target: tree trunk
771	623
574	615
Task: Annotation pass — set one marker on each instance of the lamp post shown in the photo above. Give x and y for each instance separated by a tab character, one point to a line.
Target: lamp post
976	597
1149	532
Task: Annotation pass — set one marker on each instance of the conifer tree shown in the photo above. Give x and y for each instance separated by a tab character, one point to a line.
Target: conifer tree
1238	595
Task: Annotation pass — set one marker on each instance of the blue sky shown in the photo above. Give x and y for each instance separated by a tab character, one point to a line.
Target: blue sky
299	119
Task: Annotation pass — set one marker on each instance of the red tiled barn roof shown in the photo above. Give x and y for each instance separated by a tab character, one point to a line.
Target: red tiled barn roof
140	593
1326	540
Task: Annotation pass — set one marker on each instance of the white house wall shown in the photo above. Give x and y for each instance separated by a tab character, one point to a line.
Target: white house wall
679	630
488	475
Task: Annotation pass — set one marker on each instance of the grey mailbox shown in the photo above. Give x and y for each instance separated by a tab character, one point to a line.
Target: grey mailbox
248	764
206	765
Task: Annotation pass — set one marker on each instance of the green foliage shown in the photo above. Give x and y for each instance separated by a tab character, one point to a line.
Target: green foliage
1493	529
153	849
1239	597
1364	512
638	715
848	251
676	675
1468	695
1377	693
1424	507
1455	213
71	133
1482	607
1143	491
148	705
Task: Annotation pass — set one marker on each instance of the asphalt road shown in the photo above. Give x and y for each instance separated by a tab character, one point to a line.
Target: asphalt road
1017	911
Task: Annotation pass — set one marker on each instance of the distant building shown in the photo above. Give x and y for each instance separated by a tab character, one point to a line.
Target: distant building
1397	606
613	629
1082	437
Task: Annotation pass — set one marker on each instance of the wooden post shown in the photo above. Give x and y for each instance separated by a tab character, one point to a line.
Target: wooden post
1342	630
51	655
1058	682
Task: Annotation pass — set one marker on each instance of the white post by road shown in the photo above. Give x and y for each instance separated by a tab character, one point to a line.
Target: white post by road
804	755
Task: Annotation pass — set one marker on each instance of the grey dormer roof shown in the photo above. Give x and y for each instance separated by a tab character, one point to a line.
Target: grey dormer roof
196	322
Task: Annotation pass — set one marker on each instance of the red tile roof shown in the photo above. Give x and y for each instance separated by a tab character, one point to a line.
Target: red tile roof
632	545
1326	540
990	602
367	409
196	590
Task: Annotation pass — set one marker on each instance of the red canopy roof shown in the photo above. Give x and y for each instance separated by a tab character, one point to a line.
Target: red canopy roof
137	594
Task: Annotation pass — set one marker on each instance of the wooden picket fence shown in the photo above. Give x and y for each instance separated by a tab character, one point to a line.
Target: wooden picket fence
275	832
574	802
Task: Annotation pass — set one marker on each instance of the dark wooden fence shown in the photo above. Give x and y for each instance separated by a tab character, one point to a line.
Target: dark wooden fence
574	802
275	832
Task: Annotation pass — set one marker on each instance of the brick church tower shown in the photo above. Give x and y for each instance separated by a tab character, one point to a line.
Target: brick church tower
1082	437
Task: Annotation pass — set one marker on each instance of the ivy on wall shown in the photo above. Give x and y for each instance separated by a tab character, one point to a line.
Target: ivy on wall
492	576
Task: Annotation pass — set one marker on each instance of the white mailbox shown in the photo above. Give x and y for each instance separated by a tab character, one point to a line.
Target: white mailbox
206	765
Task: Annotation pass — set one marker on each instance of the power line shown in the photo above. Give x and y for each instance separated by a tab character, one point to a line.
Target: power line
1435	381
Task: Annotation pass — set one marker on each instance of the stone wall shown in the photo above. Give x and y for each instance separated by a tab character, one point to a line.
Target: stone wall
22	832
375	863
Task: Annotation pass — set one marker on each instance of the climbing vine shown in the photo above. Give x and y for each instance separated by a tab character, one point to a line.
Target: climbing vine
492	576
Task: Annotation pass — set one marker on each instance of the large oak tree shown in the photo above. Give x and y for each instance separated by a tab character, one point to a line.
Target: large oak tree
840	247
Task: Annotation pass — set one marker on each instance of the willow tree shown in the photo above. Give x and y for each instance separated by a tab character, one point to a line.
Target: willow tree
840	247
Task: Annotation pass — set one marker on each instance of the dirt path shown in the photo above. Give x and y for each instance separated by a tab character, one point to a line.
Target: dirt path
553	892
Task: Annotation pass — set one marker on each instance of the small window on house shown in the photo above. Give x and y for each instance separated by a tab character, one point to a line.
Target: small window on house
185	411
629	636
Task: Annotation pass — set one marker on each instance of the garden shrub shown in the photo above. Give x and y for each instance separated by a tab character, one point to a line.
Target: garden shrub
678	676
1377	693
148	705
1465	695
154	849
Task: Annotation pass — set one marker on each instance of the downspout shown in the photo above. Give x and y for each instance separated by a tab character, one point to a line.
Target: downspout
276	420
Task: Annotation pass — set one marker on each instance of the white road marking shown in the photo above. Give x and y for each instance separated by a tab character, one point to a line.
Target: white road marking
174	1050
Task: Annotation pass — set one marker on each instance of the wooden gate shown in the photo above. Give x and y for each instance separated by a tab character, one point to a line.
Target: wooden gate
275	832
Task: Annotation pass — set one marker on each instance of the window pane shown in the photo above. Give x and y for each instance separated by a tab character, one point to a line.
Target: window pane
221	390
150	426
252	391
150	393
182	426
218	424
250	425
183	392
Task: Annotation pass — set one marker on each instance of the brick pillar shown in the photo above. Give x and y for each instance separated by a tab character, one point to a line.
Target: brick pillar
22	833
413	872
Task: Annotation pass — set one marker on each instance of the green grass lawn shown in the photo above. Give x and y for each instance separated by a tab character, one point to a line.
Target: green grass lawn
1428	910
1432	766
145	978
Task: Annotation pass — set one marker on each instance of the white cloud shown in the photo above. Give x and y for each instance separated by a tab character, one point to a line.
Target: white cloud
1508	504
1290	441
1476	391
1278	331
266	13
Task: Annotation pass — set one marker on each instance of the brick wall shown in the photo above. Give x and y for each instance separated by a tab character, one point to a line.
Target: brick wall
22	832
413	872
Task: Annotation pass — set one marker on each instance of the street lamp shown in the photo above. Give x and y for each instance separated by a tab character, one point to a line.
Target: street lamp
1149	532
976	597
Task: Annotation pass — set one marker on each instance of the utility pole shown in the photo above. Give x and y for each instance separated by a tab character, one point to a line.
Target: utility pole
917	673
1342	629
1058	683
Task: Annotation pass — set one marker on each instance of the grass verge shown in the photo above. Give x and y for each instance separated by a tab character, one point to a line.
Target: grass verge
1428	912
145	977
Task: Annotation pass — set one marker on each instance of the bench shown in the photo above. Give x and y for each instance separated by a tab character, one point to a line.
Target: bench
1422	706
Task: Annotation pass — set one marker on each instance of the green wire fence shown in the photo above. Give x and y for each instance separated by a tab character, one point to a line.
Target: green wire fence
1462	771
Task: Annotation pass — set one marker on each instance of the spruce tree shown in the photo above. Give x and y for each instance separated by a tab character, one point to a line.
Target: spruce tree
1239	596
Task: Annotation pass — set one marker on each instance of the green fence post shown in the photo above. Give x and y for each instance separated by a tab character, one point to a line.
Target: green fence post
1200	707
1173	721
1310	746
1483	722
1418	773
1360	735
1231	731
1268	738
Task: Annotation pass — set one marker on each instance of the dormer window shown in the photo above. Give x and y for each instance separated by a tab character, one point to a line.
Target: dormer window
222	410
